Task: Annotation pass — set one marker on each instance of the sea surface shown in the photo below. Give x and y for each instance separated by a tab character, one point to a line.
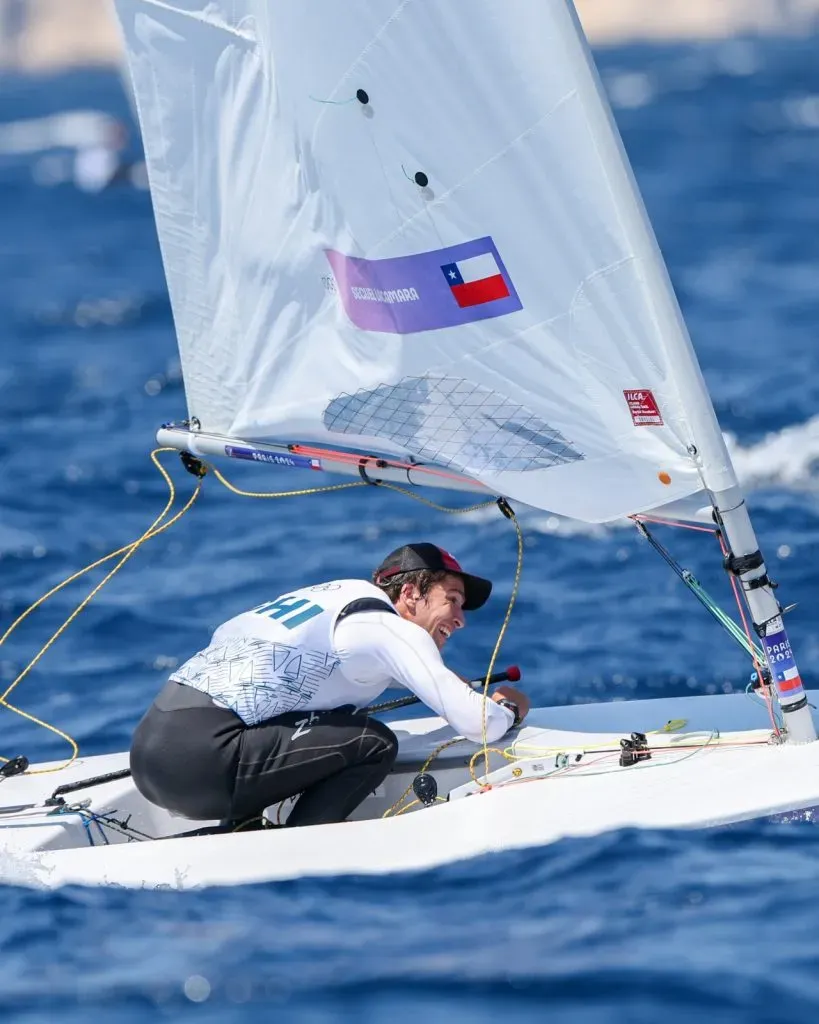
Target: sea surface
632	926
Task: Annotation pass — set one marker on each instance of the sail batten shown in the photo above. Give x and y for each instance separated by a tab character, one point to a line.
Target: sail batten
418	233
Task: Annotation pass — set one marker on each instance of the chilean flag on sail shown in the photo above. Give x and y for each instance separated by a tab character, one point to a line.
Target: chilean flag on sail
476	280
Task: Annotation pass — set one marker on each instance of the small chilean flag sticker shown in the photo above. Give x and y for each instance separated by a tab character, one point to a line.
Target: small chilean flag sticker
643	408
475	280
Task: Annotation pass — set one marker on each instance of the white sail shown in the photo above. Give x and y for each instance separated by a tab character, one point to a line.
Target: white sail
411	226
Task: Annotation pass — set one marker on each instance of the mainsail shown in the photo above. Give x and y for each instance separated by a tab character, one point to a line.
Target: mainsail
409	227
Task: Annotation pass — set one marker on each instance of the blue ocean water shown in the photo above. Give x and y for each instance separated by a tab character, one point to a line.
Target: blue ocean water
724	139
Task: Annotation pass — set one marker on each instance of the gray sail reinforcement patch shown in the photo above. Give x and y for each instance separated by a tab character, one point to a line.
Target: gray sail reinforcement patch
452	422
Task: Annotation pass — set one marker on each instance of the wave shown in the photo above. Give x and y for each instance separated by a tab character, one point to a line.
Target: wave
787	457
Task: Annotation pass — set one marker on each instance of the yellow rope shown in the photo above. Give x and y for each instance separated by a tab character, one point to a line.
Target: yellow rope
341	487
509	513
244	826
441	508
485	751
155	528
127	551
424	766
283	494
435	505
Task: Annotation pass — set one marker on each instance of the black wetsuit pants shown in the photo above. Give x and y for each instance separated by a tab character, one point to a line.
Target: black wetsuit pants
201	761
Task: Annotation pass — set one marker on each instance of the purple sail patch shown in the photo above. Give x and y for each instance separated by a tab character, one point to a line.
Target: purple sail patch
426	291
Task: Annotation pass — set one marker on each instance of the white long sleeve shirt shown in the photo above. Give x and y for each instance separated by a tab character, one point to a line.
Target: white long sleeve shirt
290	654
377	650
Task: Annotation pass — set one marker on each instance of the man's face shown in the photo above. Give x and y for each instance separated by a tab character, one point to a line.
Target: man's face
440	611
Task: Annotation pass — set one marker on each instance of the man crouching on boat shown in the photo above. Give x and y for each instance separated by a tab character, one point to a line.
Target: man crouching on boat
268	709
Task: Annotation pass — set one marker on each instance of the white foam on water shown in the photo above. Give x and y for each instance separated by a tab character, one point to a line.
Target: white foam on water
788	457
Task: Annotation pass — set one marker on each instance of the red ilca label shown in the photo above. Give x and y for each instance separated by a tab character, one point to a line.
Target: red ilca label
643	408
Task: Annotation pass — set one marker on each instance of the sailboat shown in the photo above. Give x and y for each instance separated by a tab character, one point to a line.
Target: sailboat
403	241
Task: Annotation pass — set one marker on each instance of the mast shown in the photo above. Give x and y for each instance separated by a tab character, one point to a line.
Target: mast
745	561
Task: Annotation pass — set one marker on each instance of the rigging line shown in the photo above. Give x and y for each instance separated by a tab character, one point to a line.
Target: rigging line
644	765
394	810
530	751
392	705
505	508
380	462
106	818
641	518
128	550
435	505
100	561
283	494
742	636
758	660
89	820
743	639
749	692
484	752
607	764
723	617
508	511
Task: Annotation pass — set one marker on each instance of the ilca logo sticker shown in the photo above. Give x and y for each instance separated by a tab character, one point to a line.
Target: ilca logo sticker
643	408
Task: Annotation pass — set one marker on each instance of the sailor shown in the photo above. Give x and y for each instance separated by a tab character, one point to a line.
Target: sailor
271	708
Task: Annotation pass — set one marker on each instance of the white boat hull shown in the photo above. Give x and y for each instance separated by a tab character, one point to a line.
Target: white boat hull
717	769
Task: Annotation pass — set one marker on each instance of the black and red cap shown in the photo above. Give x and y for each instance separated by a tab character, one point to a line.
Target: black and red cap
417	557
